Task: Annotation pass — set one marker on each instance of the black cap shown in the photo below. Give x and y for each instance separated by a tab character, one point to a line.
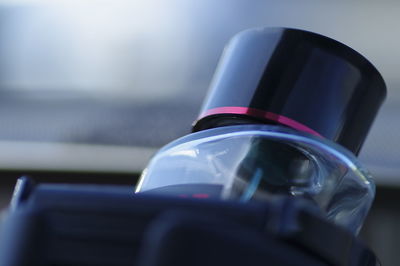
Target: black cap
295	78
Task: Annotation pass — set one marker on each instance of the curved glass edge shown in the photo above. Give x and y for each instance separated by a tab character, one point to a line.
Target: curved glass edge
349	216
278	132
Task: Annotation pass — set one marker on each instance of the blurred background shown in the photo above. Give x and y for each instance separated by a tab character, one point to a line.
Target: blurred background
89	90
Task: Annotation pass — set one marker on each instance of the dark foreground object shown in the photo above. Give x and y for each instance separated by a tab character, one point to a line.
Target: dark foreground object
50	224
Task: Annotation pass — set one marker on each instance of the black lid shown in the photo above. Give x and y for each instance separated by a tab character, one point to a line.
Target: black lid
295	78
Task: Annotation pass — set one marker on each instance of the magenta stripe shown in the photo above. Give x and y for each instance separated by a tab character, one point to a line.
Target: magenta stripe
261	114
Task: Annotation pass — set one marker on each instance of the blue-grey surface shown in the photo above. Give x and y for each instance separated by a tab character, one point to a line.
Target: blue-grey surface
91	121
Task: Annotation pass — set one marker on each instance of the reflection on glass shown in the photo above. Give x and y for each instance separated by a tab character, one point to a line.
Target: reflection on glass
256	162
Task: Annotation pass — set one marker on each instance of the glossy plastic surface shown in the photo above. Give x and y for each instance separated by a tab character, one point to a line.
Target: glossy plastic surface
298	79
253	162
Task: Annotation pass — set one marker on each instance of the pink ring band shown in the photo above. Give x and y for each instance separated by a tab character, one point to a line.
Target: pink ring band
260	114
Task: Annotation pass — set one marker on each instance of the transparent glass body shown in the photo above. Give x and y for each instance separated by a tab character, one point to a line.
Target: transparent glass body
253	162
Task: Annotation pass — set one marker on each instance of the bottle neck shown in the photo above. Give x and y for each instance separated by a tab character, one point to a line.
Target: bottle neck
229	120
